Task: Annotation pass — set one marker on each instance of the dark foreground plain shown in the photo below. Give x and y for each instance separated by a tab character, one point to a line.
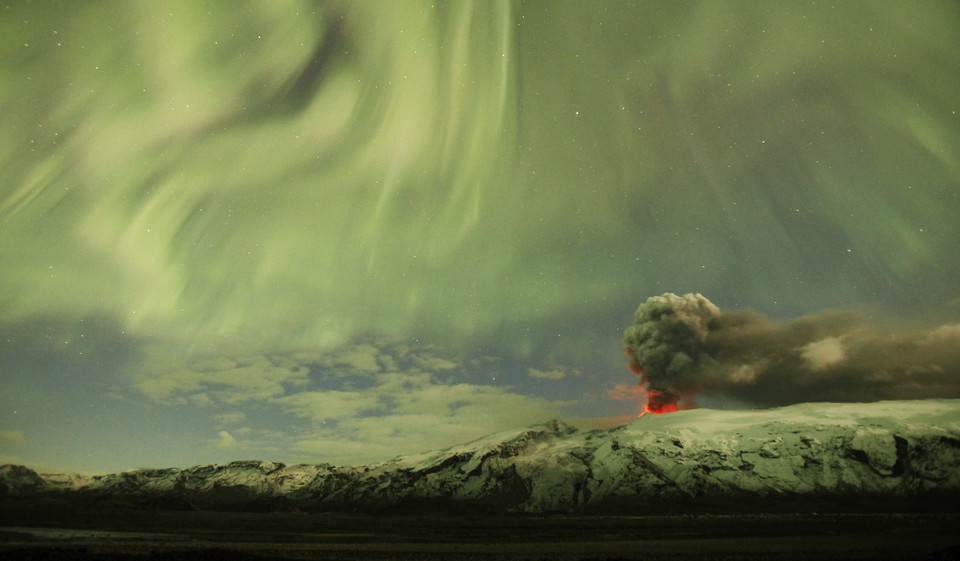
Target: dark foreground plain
48	530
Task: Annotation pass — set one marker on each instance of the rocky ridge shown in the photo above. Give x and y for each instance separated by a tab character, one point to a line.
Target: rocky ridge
895	450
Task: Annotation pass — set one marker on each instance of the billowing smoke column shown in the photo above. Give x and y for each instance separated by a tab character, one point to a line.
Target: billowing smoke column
666	346
683	346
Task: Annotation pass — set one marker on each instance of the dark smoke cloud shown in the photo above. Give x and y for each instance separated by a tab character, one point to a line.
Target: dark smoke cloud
684	345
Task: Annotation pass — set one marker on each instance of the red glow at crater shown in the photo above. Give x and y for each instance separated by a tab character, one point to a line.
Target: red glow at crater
659	402
656	401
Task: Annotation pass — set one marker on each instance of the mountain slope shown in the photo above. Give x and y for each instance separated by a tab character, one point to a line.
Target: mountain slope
896	450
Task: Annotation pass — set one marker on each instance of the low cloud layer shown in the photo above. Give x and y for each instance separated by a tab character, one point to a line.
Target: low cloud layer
13	436
547	374
362	402
684	346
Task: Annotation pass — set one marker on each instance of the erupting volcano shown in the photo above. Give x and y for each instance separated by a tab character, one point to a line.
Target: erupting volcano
657	401
666	346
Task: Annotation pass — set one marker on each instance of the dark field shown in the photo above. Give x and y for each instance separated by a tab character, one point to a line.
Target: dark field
35	530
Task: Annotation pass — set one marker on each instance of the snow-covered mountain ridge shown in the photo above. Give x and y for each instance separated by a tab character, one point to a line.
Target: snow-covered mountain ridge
822	451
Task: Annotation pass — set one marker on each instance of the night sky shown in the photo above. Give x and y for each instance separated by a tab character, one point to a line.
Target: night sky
343	231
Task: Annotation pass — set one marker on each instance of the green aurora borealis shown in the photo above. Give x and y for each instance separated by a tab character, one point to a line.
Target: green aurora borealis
342	231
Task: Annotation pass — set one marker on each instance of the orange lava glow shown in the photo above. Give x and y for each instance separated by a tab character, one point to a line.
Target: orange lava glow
656	401
658	409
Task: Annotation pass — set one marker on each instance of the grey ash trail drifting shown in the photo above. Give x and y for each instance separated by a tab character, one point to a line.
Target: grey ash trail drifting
684	346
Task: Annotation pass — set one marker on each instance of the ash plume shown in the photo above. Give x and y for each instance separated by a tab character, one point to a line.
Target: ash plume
685	346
